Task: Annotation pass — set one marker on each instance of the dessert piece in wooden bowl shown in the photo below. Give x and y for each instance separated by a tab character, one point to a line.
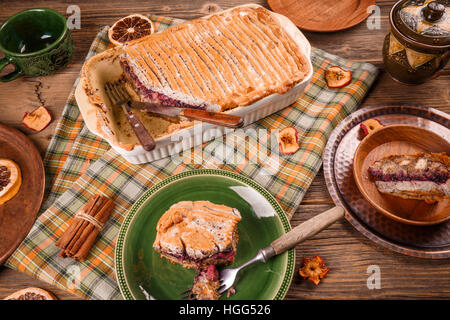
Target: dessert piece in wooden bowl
401	195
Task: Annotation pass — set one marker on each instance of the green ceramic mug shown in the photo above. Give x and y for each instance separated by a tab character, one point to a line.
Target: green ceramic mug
36	41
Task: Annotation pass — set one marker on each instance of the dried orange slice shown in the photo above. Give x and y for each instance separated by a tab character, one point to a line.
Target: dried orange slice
10	179
130	28
31	293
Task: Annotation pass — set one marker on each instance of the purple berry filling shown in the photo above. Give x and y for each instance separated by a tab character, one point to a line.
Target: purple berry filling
209	272
437	177
227	255
153	95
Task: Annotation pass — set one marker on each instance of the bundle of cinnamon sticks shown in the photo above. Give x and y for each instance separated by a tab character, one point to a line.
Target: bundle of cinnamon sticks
79	237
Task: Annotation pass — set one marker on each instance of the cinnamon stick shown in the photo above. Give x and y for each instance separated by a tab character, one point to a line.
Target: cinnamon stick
75	225
101	216
89	241
72	235
74	244
81	234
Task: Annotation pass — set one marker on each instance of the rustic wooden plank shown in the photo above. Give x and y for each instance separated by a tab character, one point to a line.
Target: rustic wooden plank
349	254
26	94
317	192
346	251
11	281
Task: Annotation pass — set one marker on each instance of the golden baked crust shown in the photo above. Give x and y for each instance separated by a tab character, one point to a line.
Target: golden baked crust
192	232
227	60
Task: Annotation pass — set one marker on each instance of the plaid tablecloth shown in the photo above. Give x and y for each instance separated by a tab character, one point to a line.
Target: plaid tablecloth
79	164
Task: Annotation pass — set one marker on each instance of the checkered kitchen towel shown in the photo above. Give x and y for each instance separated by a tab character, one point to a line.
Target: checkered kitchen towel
79	164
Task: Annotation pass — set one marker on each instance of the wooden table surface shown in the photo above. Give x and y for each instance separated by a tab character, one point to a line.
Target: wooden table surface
345	251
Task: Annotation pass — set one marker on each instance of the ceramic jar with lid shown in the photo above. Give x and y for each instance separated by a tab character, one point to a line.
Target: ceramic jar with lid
416	48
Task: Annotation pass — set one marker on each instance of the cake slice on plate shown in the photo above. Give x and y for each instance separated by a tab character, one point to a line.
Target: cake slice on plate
197	234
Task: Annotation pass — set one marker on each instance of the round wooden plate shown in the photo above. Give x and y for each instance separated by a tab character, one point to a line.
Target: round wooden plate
324	15
396	140
432	242
18	214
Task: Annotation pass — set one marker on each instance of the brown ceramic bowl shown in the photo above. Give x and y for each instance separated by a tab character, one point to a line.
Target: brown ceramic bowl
394	140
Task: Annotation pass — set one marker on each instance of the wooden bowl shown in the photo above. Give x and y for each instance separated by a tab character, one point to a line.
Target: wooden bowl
395	140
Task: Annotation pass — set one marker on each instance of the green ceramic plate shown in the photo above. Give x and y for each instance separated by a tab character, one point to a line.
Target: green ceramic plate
143	274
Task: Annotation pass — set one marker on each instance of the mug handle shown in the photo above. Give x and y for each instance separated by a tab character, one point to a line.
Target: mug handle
442	71
10	76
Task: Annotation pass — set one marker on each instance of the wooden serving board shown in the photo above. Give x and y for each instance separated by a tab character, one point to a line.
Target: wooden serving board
431	242
18	214
323	15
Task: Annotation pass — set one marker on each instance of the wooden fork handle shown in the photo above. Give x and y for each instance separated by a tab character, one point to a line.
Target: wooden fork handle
144	137
219	118
307	229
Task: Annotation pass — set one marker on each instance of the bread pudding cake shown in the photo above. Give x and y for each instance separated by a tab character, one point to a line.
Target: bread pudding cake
423	176
217	63
196	234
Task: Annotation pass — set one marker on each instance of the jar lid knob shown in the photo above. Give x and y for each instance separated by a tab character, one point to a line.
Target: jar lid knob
433	11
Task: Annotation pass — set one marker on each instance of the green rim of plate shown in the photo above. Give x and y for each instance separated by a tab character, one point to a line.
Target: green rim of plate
119	259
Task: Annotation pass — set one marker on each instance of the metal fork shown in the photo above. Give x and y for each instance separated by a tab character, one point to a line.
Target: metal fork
119	97
287	241
307	229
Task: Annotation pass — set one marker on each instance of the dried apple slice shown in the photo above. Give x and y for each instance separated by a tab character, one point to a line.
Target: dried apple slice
288	140
10	179
38	119
370	125
336	77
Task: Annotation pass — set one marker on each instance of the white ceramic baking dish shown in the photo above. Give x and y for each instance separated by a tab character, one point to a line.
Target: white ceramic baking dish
202	132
